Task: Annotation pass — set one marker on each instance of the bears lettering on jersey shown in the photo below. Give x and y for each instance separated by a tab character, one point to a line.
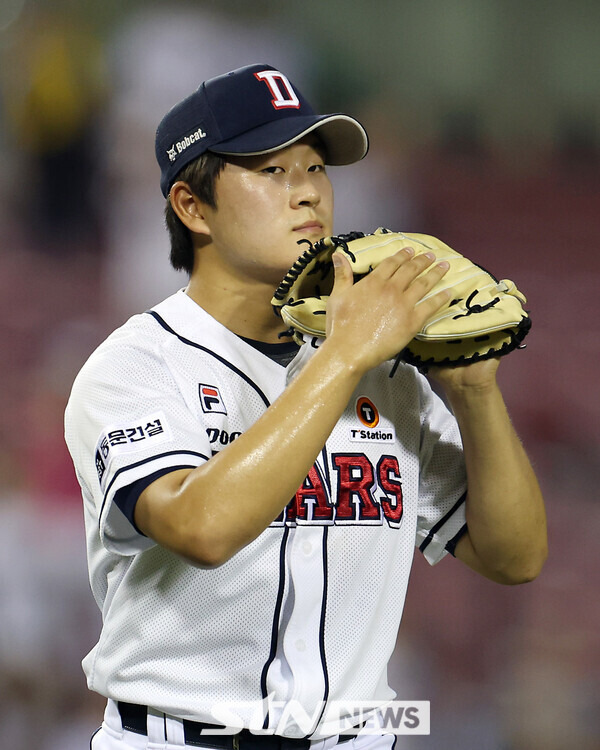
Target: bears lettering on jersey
312	500
366	494
356	482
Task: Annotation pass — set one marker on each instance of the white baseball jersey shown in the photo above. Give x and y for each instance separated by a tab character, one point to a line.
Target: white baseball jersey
306	614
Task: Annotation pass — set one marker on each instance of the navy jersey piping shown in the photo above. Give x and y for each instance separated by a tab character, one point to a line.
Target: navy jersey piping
275	626
141	463
325	591
425	543
451	546
223	361
322	625
126	497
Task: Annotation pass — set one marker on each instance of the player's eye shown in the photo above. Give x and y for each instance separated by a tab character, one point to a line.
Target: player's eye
317	168
272	170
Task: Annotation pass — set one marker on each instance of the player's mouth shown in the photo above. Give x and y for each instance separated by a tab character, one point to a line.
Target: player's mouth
310	227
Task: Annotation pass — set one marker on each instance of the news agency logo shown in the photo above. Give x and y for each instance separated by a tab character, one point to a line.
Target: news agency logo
292	719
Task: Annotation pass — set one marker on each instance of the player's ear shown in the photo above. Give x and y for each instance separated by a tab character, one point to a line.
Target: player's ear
188	207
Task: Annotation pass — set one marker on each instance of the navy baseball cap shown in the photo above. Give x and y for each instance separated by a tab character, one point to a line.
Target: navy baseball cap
251	110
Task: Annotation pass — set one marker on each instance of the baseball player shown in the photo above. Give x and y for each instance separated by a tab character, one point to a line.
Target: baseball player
252	507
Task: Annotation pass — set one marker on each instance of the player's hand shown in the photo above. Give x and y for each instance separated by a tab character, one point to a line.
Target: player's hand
475	376
373	319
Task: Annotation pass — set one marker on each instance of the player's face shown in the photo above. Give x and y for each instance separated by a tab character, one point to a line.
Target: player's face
265	205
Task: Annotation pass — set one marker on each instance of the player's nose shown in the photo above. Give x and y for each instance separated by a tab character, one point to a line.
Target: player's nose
304	191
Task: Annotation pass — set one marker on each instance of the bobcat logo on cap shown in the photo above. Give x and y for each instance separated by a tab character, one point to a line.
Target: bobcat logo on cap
185	143
281	89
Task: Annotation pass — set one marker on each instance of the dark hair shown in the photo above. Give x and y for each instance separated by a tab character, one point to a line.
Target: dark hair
201	176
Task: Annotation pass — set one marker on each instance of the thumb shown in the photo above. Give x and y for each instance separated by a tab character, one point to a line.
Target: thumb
343	279
342	272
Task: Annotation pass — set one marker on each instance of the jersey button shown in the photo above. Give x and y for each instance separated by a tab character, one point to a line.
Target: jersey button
307	548
300	645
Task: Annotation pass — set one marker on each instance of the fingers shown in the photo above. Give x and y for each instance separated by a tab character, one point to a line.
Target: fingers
386	308
425	282
391	265
405	266
411	280
404	270
429	305
410	272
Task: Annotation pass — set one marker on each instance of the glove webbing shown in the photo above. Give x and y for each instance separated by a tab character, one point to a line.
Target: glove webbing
339	242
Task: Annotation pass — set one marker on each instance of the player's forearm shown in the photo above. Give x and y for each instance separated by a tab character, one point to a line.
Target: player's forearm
218	508
505	508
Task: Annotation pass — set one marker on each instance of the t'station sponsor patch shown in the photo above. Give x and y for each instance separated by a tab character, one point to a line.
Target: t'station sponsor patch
373	427
372	436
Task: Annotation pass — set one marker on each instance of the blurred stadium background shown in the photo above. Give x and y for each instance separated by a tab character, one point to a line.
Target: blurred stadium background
484	117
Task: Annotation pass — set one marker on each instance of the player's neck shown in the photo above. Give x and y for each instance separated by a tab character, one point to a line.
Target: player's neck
244	309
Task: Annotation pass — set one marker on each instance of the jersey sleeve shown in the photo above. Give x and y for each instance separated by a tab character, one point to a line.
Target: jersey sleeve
442	482
126	421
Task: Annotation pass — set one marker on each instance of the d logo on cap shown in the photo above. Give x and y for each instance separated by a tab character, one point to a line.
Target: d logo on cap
275	81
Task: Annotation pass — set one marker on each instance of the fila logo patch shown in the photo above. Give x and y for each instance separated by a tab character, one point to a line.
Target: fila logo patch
210	399
280	88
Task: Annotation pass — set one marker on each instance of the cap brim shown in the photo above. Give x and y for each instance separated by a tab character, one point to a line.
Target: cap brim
344	138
